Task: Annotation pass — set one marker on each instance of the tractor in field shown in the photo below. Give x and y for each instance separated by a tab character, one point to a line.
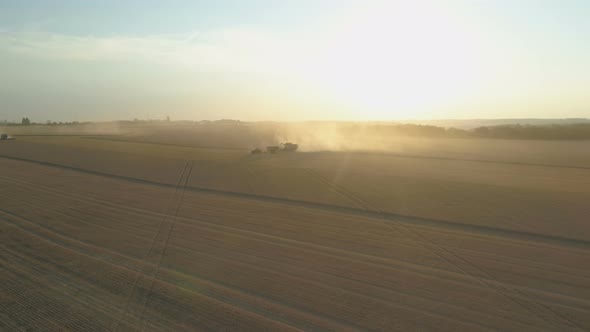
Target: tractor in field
5	137
289	147
283	147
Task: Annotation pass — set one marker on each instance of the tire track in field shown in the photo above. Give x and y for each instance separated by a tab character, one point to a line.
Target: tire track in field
263	298
269	238
384	216
162	253
169	207
76	217
516	296
338	189
241	233
366	295
78	252
474	272
132	210
401	306
421	272
193	249
467	268
538	309
207	227
517	286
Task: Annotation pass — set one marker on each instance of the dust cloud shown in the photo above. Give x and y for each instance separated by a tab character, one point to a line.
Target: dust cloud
230	134
316	137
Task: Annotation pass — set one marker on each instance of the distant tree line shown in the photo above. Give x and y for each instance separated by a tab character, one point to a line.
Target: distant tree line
27	122
574	131
24	122
567	131
413	130
50	123
550	132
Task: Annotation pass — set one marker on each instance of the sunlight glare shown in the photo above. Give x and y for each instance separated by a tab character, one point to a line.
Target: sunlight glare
395	59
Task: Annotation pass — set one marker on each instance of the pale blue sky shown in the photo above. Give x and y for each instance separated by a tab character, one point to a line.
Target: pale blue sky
294	60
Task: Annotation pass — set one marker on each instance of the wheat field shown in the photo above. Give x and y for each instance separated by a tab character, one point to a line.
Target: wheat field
123	233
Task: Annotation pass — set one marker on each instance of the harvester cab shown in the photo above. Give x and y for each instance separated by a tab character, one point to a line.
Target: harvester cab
289	147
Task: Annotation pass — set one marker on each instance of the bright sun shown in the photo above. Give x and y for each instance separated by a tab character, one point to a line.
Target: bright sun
394	60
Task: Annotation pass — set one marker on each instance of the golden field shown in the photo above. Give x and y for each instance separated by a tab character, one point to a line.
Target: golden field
173	232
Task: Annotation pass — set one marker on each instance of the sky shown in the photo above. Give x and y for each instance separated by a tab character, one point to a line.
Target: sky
294	60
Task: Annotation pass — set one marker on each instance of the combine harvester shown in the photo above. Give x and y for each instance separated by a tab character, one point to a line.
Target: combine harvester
283	147
289	147
5	137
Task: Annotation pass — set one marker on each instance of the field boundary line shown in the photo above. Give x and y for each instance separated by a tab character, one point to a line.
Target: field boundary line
292	243
134	211
289	305
323	252
352	292
239	231
389	216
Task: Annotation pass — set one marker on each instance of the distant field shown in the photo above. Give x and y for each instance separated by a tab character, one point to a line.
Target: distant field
170	232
